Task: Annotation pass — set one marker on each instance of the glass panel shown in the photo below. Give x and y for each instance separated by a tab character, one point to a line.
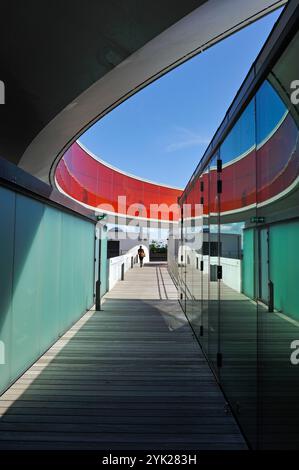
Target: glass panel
278	267
205	261
7	214
198	262
214	254
188	255
238	328
182	259
49	284
250	317
193	256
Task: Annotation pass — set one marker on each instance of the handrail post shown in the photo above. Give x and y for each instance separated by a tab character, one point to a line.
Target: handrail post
271	297
98	295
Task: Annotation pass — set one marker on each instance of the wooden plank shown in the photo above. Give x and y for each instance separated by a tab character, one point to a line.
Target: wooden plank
129	377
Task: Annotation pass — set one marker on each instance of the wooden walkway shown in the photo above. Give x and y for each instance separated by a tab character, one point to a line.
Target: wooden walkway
129	377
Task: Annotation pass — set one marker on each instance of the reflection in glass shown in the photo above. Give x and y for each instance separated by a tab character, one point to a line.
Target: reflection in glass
239	263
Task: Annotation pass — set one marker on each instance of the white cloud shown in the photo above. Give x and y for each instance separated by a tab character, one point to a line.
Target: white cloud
186	138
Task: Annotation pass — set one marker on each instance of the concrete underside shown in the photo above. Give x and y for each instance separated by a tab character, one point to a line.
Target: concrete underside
131	376
104	54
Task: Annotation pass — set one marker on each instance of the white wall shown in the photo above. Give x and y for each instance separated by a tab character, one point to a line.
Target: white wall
115	264
231	270
231	273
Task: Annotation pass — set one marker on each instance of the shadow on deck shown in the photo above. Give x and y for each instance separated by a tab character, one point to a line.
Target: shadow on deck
129	377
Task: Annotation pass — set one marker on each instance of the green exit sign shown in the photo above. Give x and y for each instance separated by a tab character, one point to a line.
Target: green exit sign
257	220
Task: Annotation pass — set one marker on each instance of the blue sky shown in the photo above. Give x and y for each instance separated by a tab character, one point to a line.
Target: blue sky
161	132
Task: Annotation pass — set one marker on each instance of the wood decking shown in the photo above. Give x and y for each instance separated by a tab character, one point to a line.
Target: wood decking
129	377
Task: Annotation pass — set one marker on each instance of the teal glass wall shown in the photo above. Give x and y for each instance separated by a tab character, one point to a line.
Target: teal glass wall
243	301
46	278
103	260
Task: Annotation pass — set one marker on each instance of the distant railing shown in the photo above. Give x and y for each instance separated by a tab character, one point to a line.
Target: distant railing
119	265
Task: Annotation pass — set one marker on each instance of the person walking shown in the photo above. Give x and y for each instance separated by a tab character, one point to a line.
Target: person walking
141	255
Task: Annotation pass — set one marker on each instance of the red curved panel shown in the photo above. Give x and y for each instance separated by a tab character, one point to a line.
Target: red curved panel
93	183
276	164
97	185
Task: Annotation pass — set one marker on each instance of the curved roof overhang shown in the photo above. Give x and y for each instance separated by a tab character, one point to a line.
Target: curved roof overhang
184	30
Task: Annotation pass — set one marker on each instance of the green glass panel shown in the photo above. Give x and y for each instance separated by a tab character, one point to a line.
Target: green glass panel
46	278
248	263
27	283
284	272
50	285
7	210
